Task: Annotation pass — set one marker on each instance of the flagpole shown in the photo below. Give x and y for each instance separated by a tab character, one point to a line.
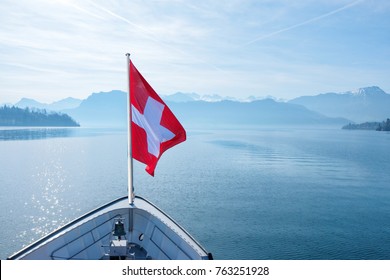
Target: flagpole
129	149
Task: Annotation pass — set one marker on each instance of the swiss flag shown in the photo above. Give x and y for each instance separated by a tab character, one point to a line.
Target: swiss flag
154	128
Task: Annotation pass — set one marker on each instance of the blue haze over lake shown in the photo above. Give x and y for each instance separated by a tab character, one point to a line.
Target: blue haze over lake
249	193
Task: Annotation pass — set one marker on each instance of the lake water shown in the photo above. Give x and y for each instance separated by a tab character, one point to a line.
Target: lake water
249	193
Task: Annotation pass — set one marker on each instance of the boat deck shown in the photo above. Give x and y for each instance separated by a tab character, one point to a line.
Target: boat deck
133	252
145	232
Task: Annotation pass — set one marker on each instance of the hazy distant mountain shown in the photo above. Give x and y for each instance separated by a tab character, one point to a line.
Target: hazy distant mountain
180	97
362	105
30	103
106	109
214	98
67	103
102	109
109	109
261	112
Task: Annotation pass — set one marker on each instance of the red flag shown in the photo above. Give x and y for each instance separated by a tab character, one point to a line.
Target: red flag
154	127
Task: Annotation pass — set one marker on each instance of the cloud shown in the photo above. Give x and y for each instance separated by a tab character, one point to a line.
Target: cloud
183	45
311	20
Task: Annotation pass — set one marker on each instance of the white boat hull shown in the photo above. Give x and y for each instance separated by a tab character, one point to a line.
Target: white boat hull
150	234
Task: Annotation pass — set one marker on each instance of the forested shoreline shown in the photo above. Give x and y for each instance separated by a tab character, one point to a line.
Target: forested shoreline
379	126
14	116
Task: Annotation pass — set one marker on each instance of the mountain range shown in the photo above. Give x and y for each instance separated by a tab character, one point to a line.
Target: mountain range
188	97
103	109
259	112
64	104
363	105
107	109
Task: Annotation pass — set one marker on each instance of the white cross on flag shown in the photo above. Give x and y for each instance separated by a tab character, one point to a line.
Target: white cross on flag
154	128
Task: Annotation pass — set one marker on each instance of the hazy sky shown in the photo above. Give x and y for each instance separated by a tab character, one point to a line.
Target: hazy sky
52	49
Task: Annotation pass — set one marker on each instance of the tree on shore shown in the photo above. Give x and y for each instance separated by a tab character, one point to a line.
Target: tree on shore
384	126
